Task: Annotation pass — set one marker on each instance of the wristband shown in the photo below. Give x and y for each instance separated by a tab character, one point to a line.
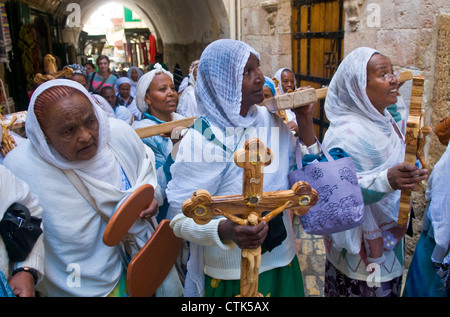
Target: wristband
29	270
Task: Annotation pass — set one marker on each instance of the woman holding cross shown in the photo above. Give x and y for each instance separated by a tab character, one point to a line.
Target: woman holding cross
229	87
368	260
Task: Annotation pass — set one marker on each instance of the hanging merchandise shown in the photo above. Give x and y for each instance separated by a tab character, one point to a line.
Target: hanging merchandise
5	36
152	48
27	46
145	53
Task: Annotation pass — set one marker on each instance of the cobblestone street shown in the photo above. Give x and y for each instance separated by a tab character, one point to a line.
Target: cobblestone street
311	255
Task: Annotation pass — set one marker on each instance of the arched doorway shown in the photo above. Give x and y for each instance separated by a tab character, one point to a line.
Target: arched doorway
119	33
182	28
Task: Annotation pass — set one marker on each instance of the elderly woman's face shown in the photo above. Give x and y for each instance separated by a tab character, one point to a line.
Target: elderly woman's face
252	85
71	126
381	88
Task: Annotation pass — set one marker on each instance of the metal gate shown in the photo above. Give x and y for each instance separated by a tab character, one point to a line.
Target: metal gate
317	47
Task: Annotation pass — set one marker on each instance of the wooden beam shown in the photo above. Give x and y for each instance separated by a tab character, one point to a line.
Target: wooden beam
291	100
164	127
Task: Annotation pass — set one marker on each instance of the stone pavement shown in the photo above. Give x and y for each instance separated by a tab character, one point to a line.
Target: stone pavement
311	255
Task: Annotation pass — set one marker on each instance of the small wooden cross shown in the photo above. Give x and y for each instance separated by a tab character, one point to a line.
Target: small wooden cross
246	209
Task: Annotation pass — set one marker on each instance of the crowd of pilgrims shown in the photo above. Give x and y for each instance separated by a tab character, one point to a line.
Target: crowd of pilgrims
86	124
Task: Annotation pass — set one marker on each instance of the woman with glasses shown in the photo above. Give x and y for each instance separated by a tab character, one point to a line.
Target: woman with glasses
368	260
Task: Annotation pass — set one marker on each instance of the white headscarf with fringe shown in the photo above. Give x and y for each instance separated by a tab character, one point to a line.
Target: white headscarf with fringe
366	135
278	77
144	83
101	165
120	152
218	89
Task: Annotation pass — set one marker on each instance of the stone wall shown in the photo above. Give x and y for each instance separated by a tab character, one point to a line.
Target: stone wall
266	25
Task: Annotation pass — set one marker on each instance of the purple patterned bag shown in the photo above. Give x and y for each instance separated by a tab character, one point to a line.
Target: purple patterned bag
340	206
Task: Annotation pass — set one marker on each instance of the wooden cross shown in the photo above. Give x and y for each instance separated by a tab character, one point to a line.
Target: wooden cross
415	142
53	72
305	96
247	209
7	141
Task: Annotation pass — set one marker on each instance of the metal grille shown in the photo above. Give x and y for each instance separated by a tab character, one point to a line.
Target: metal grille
330	35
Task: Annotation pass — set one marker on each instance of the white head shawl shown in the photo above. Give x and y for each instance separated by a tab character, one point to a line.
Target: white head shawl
102	174
352	115
122	80
365	134
144	83
140	73
101	165
132	82
218	89
184	84
191	77
278	77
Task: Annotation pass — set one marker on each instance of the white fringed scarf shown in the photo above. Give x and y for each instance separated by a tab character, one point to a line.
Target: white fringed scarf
367	136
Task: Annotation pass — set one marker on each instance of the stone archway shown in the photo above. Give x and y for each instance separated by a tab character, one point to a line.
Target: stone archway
182	28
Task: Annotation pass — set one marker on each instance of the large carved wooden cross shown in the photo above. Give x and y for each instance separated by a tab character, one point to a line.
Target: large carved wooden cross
247	209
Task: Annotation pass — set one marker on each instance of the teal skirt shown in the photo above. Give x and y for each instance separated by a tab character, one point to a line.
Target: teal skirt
422	279
284	281
121	288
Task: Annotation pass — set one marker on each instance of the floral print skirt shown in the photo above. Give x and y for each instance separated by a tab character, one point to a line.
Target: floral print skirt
337	284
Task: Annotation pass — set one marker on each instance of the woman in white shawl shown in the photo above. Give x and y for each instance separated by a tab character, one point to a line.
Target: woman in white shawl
368	260
21	276
124	92
70	136
187	106
287	83
429	271
134	74
157	100
229	85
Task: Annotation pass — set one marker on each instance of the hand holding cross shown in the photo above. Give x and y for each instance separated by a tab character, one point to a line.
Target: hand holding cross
246	209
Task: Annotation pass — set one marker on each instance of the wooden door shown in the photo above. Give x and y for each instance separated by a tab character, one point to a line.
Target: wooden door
318	27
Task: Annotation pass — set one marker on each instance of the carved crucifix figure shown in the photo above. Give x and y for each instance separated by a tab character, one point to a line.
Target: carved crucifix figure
52	71
7	141
247	209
